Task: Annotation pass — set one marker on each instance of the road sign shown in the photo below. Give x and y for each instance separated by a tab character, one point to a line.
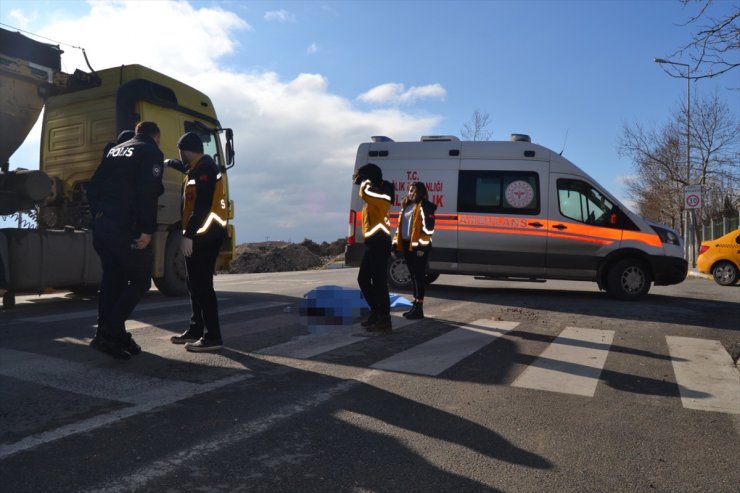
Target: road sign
692	197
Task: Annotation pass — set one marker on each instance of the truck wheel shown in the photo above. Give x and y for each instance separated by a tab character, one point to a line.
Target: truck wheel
725	274
629	279
399	276
174	280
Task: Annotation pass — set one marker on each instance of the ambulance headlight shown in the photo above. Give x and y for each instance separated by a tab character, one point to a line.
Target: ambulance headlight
667	236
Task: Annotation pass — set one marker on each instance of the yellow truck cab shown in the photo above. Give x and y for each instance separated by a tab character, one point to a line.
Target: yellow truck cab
78	122
517	210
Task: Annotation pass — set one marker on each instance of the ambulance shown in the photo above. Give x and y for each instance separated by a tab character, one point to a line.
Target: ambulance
514	210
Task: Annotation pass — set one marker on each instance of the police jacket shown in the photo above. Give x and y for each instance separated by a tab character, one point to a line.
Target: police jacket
378	200
422	227
127	184
204	201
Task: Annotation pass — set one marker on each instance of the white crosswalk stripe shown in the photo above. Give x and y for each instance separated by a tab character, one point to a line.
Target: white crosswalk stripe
436	355
309	346
572	364
707	379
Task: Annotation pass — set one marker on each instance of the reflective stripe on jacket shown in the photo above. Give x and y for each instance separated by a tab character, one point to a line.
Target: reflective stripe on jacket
422	227
378	202
204	199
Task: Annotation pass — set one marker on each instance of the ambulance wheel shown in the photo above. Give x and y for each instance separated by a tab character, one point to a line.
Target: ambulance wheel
724	273
399	276
629	279
174	280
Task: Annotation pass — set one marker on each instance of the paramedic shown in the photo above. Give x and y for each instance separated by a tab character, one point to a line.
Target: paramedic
203	229
378	196
414	239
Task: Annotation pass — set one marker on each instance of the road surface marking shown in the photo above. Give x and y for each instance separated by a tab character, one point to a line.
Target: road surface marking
134	324
436	355
571	364
706	377
80	378
139	479
308	346
152	398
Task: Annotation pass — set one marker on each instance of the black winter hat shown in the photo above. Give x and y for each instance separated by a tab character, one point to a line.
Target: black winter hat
371	171
190	142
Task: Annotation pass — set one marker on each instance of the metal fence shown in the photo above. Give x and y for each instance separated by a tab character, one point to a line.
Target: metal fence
715	229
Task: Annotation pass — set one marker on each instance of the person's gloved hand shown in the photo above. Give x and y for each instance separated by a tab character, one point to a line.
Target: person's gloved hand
174	163
186	246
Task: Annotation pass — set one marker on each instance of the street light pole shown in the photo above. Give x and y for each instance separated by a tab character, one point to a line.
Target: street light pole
688	139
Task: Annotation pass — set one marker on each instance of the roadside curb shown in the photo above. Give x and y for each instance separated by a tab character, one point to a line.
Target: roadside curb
698	275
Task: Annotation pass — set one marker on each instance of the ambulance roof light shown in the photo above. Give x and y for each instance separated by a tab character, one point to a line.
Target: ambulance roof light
520	138
381	138
439	138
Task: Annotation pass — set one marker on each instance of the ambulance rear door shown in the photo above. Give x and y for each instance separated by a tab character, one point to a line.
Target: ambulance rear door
502	216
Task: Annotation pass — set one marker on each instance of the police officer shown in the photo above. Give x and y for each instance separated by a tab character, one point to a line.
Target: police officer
414	240
378	196
123	196
203	229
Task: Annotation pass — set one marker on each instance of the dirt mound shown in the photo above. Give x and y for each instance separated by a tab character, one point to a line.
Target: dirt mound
283	257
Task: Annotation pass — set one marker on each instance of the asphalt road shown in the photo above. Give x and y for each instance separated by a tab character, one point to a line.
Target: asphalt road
505	387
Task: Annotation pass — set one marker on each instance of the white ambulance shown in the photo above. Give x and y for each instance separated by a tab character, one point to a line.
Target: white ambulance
517	210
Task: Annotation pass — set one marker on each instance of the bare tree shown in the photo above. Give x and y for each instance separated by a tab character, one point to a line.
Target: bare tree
713	49
661	170
475	129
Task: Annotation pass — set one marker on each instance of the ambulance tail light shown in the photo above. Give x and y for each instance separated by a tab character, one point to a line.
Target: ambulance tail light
351	228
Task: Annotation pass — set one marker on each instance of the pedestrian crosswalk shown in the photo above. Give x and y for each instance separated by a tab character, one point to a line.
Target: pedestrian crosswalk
436	355
573	362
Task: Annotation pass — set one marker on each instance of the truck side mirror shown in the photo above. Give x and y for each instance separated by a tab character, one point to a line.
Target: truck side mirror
229	147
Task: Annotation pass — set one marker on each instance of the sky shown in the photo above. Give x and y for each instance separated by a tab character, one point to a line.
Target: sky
303	83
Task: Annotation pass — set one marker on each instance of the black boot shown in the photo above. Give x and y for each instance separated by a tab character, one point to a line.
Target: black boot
383	325
413	307
370	320
417	312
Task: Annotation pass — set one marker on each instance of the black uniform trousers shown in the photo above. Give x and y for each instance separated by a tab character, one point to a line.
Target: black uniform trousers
417	268
127	275
201	265
373	277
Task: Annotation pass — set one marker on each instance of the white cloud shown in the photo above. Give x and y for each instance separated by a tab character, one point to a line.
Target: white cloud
295	141
281	15
396	93
312	48
20	19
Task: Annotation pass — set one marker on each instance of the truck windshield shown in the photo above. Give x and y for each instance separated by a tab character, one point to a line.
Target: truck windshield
210	142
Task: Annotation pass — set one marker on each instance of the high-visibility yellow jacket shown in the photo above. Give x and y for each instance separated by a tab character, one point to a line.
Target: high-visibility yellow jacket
378	202
422	227
204	205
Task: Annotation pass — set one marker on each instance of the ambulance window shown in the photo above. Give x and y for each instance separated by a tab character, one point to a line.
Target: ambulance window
510	192
583	203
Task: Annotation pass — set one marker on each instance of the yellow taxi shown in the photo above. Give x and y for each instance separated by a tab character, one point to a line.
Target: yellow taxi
721	258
